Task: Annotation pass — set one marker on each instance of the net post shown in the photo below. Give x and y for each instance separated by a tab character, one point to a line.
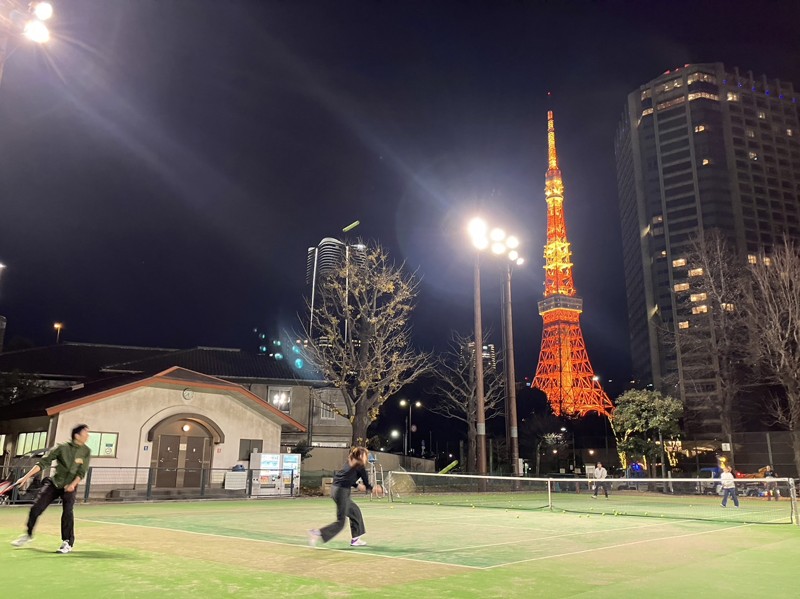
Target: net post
793	499
549	495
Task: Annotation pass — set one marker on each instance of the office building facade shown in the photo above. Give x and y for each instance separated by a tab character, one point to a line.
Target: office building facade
699	148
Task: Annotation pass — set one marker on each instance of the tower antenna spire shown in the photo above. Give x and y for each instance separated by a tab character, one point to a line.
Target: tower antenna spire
564	372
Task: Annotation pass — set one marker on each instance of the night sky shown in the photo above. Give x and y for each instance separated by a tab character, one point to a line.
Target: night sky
164	165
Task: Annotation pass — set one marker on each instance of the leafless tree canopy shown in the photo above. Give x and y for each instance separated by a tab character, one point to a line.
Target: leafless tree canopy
713	349
774	307
360	339
455	389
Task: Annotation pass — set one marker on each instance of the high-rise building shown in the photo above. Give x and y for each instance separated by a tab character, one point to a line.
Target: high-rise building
698	148
324	259
564	372
489	355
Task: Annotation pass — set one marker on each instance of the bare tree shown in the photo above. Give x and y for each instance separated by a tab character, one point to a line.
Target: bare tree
774	307
455	389
361	337
711	338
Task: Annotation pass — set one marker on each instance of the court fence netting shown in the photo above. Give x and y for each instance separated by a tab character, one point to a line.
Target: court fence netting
760	500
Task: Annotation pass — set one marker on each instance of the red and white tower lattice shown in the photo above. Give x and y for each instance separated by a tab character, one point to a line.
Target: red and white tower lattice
564	372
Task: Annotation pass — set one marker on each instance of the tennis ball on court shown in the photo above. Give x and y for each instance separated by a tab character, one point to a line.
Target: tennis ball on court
662	515
517	517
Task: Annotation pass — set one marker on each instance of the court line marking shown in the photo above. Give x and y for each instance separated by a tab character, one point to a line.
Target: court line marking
235	538
569	534
618	545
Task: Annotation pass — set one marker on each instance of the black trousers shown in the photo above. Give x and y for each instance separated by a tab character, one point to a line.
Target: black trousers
345	508
47	495
598	486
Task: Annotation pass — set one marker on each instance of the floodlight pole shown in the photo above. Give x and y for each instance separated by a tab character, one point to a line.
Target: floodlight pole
479	397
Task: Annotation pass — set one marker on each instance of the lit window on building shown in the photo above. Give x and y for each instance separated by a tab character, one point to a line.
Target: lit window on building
701	77
789	132
663	253
678	262
733	97
681	287
751	133
658	219
281	398
762	115
647	112
699	128
728	307
698	297
696	272
767	261
645	94
683	324
706	161
752	155
703	96
701	309
751	259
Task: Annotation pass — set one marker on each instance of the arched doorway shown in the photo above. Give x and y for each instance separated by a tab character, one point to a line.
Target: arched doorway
182	450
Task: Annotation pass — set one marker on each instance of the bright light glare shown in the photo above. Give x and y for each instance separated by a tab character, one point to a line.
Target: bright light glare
513	255
58	326
520	261
418	404
403	403
498	247
2	266
480	243
477	227
43	10
512	242
497	235
395	434
36	31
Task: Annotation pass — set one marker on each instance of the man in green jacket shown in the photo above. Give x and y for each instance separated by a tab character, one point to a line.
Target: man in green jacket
72	462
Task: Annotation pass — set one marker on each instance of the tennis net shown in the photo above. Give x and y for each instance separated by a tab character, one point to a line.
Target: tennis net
765	501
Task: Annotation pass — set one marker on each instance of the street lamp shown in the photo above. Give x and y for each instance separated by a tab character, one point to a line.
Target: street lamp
58	326
499	243
407	440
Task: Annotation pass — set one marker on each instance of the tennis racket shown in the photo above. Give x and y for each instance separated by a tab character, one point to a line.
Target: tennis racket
7	486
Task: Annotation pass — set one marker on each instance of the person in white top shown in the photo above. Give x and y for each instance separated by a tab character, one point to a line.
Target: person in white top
728	487
599	480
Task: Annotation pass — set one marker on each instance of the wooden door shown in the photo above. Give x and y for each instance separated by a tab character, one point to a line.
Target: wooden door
195	454
168	453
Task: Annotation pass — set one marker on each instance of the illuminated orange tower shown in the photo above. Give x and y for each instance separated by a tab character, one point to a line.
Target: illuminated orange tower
564	372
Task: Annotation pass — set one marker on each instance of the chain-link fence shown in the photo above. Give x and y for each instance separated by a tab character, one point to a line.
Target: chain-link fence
160	484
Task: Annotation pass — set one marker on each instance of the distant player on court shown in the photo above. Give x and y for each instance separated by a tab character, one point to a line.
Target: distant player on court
772	486
72	462
728	487
344	481
600	474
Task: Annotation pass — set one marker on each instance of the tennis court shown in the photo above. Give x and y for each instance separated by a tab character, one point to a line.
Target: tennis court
258	548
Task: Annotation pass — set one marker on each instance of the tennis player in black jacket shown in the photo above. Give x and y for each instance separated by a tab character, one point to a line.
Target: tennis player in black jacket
344	481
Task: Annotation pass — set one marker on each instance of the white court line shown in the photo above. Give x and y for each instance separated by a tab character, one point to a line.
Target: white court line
569	534
235	538
544	557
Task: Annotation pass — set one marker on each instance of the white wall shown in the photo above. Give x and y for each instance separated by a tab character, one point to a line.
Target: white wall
132	414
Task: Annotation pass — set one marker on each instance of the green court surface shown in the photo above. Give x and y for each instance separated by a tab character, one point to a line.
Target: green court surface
259	549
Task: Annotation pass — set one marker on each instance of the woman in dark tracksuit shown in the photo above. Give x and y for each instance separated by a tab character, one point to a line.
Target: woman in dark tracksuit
344	481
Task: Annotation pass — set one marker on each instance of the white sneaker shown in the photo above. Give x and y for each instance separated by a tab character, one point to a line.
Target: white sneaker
313	536
65	547
357	542
22	541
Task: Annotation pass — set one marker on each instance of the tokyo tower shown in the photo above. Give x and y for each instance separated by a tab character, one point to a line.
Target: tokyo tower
564	372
